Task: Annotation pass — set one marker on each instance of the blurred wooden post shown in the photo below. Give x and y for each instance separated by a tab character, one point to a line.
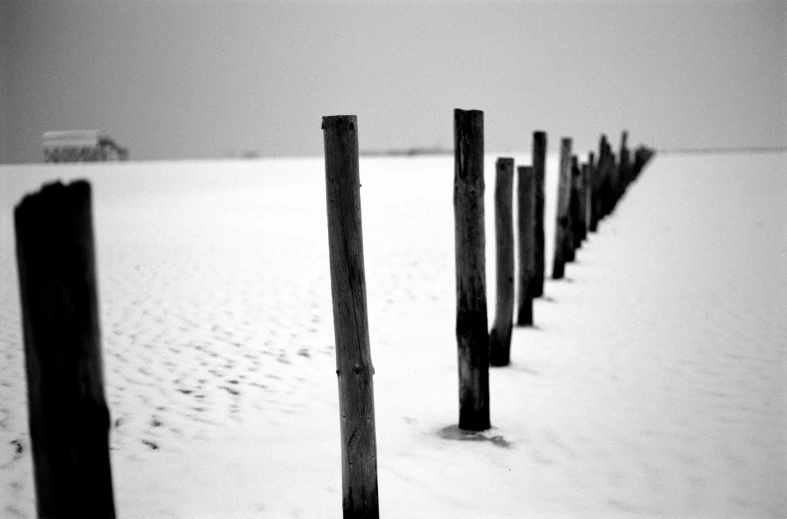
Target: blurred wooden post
528	188
348	287
637	165
585	200
562	228
573	242
604	178
641	157
593	179
500	336
624	164
539	155
68	413
471	320
614	175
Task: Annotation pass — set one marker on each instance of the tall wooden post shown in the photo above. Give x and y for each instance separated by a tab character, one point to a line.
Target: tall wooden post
527	245
562	227
539	155
471	320
351	328
68	413
500	336
574	209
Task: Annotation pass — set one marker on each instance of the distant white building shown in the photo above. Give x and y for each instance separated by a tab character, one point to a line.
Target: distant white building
81	146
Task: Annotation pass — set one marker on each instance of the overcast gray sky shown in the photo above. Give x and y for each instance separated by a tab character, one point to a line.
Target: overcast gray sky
185	79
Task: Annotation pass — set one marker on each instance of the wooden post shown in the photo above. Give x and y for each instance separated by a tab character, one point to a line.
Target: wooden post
641	157
636	167
528	187
573	241
624	164
68	413
593	179
348	287
585	200
471	320
612	176
604	178
500	336
562	228
539	153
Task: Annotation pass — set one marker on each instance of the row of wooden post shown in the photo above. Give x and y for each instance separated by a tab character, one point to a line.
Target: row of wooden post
587	192
68	414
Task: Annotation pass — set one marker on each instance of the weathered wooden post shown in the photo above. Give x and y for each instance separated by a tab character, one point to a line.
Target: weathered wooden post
500	336
68	413
539	156
471	320
562	227
574	210
348	288
528	183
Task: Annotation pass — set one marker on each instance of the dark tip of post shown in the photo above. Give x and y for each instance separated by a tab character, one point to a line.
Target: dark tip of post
473	111
329	121
51	194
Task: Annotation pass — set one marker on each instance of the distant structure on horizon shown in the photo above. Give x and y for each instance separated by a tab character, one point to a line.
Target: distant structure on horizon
81	146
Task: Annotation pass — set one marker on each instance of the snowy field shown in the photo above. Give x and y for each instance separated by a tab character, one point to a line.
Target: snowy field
652	385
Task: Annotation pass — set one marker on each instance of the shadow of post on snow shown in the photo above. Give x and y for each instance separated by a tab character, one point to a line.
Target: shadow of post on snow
453	432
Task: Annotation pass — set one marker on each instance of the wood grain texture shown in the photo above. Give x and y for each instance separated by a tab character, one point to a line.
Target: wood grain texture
471	308
526	178
68	413
354	368
562	225
539	155
500	336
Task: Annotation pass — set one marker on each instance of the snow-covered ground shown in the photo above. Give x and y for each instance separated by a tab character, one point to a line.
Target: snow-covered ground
652	385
